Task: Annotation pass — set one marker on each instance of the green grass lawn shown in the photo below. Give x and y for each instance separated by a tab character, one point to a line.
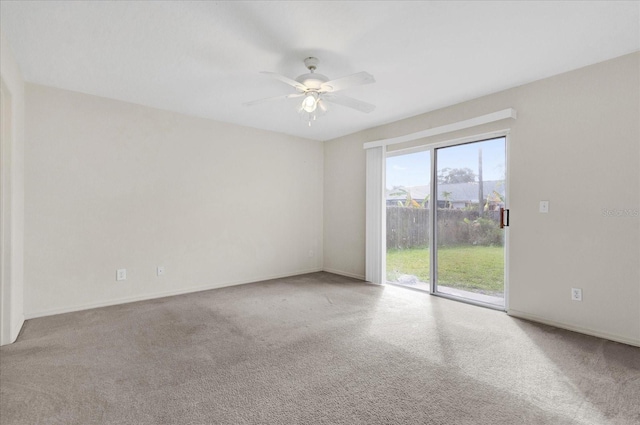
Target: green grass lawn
479	268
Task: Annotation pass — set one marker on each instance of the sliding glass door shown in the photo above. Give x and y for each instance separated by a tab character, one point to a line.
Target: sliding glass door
408	183
444	229
470	193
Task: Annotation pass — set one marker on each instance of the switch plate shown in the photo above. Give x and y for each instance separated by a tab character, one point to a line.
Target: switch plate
544	207
160	270
576	294
121	274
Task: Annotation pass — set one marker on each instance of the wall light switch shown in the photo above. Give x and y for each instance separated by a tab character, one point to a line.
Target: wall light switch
160	270
544	206
121	274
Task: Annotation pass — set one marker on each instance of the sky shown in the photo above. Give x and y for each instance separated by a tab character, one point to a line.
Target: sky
413	169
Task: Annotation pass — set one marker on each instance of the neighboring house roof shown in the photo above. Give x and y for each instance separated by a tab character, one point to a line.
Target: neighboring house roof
460	192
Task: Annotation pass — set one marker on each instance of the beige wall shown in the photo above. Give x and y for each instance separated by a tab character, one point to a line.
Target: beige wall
344	205
576	143
114	185
13	194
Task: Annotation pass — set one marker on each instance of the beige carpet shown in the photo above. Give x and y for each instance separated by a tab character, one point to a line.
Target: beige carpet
312	349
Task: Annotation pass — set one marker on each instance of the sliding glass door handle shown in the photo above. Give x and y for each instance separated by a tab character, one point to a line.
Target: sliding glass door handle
504	222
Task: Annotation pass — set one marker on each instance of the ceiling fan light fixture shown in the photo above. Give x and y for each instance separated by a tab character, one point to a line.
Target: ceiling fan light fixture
310	102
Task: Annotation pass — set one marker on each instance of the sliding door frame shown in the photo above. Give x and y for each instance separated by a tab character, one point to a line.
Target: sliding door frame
433	272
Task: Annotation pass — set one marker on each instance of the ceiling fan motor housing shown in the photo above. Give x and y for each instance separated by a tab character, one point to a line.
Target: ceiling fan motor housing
312	80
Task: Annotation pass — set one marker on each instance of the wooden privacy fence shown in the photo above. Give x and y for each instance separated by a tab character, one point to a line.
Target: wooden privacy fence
408	227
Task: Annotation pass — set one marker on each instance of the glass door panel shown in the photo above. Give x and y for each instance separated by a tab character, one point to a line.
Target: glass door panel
470	191
408	179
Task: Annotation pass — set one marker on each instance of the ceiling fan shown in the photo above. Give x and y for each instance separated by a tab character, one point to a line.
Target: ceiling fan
317	90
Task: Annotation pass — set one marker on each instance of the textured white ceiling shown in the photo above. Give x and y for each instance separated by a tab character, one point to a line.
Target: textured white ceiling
203	58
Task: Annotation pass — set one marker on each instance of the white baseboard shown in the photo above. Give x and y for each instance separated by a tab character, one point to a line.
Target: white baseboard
604	335
347	274
151	296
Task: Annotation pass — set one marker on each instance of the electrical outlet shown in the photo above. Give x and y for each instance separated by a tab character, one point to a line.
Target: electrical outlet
121	274
160	270
576	294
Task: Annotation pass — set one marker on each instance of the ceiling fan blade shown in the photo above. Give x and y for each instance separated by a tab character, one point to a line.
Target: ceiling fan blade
349	102
322	106
286	80
342	83
271	99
